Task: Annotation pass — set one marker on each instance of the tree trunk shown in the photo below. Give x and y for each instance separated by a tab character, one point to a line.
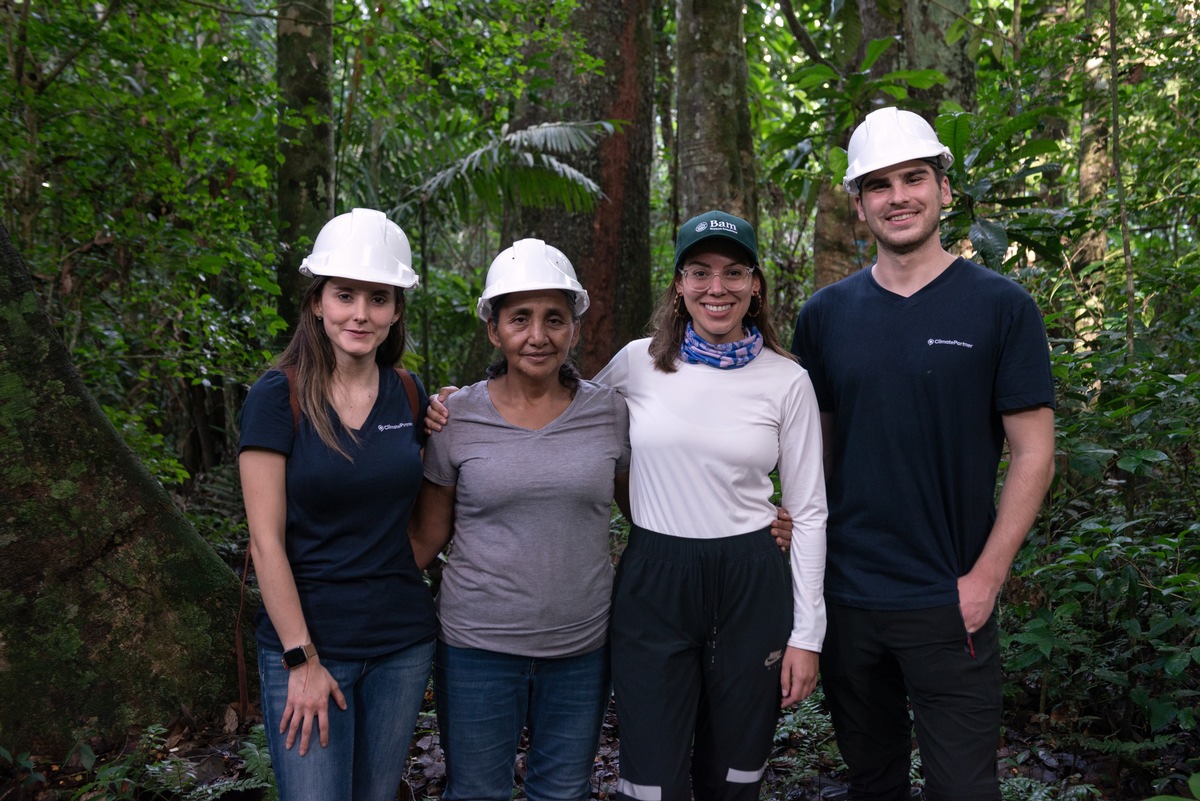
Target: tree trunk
113	612
841	242
610	247
306	199
1094	171
716	147
664	102
922	27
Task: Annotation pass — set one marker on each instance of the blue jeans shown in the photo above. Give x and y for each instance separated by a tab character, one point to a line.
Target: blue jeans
485	699
368	742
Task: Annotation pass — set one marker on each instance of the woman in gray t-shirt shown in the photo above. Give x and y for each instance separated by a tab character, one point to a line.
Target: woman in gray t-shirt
525	477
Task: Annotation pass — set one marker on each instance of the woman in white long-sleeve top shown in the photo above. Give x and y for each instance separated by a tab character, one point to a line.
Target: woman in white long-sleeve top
711	628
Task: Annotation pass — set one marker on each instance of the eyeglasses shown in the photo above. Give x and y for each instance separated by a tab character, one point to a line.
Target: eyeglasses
735	279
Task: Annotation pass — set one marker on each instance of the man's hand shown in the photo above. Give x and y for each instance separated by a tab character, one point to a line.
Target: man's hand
799	676
781	528
976	600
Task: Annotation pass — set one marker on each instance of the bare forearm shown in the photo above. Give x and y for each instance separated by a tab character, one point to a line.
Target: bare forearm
263	488
1024	490
432	522
1030	436
424	550
621	495
280	597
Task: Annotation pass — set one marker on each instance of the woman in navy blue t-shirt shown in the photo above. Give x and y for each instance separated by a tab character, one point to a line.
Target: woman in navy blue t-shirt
330	461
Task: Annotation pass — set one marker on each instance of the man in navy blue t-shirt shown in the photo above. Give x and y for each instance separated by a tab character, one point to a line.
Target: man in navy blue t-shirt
924	365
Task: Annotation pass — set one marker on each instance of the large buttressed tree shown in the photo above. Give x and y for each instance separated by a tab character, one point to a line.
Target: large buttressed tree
609	245
113	611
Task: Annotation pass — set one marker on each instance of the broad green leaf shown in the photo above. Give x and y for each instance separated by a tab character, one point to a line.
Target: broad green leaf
990	241
955	132
815	75
1177	663
918	79
836	162
956	31
875	49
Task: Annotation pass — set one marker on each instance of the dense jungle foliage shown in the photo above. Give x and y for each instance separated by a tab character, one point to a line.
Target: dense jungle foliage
138	148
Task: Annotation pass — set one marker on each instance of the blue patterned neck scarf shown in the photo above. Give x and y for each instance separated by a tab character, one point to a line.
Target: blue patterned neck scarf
731	356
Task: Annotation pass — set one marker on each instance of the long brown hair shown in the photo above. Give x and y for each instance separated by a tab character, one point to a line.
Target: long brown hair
670	320
311	354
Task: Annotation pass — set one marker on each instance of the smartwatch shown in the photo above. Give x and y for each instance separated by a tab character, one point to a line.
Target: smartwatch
295	657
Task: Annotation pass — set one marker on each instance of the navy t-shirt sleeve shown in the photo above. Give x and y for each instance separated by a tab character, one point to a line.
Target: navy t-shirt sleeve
1023	377
805	342
267	415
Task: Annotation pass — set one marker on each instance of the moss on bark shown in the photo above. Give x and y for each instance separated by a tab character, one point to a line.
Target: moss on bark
114	613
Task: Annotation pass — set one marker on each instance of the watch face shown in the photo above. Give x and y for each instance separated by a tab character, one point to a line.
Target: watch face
294	657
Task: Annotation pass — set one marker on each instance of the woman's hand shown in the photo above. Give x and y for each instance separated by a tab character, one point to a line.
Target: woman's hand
781	529
309	688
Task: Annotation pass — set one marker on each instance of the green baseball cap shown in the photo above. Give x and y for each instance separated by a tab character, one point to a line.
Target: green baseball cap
713	224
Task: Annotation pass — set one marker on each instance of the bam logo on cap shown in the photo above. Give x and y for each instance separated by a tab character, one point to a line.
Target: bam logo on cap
724	225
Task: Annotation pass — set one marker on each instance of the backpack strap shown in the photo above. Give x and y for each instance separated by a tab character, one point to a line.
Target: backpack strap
239	652
410	386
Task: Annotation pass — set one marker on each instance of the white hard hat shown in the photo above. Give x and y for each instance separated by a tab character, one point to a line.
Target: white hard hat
365	245
890	136
530	264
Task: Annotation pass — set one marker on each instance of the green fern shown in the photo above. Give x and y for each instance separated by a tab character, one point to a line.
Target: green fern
1023	788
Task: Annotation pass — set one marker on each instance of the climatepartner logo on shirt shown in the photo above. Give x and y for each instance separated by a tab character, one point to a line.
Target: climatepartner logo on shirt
955	342
394	426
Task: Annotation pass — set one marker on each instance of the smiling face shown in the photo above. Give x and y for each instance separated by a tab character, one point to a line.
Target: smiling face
902	205
356	316
535	331
716	309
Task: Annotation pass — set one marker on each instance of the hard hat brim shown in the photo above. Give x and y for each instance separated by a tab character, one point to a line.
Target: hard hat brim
484	307
318	265
856	173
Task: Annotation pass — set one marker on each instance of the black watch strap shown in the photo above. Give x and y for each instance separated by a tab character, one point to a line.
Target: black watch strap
295	657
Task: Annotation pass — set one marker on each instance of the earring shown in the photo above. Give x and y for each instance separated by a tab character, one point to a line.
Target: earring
319	318
680	308
753	312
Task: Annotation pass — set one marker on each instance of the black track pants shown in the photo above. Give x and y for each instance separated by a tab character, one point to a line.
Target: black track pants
698	633
876	663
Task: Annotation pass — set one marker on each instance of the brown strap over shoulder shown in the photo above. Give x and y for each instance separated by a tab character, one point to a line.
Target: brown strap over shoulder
410	386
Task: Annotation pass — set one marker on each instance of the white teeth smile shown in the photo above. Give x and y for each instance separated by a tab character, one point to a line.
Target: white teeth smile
716	309
902	217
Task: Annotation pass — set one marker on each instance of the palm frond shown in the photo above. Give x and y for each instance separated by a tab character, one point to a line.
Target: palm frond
524	166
